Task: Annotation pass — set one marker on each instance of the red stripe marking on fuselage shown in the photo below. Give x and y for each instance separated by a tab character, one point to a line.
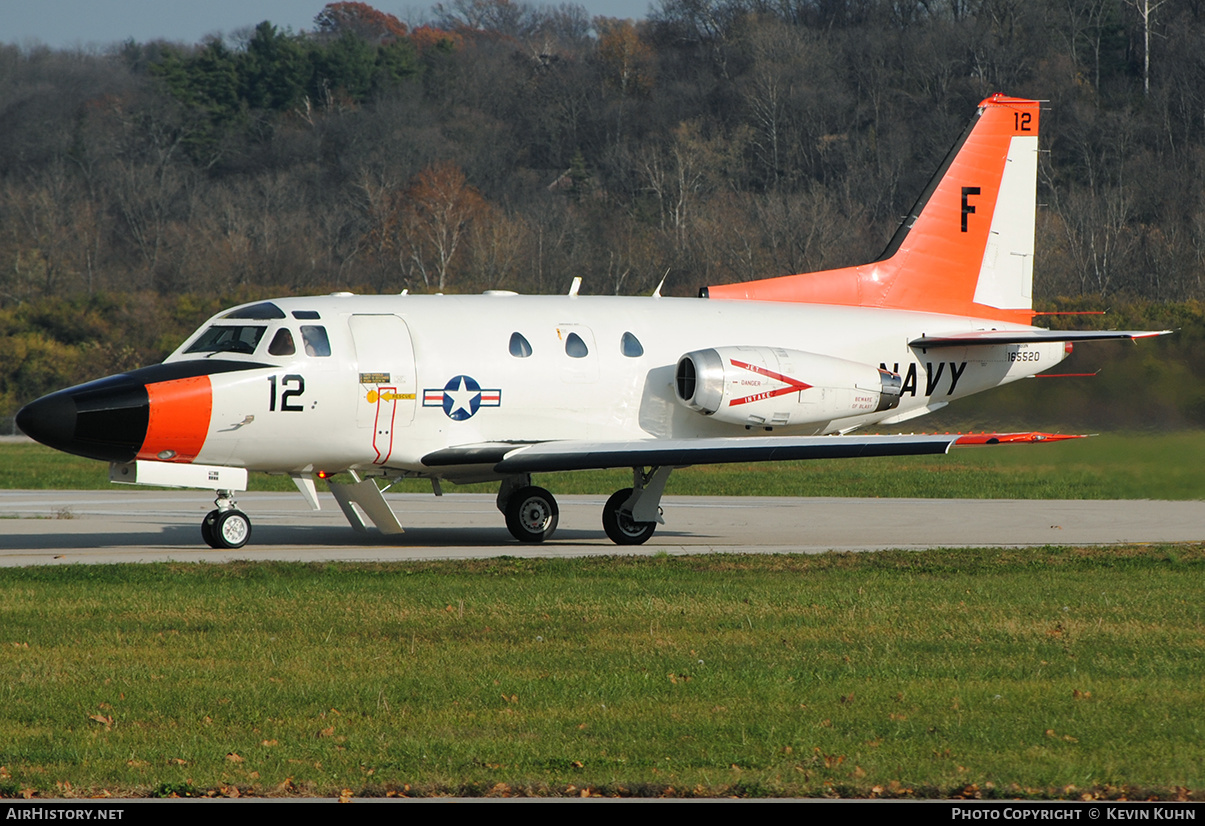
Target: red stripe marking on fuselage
376	426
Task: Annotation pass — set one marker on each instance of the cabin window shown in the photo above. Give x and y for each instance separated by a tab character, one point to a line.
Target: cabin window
519	346
575	348
228	338
282	343
630	346
306	314
315	340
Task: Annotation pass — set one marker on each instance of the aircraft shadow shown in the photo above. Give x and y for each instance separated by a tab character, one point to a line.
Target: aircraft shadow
187	537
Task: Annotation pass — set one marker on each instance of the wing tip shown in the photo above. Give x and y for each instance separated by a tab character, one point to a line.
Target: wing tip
1033	437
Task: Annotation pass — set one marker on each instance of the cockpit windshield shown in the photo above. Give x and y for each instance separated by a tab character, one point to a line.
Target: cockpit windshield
228	338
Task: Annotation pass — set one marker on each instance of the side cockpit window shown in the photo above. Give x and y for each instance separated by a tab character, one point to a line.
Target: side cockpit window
228	338
519	346
282	343
313	337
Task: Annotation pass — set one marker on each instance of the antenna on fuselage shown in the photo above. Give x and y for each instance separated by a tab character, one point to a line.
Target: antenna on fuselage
576	285
657	292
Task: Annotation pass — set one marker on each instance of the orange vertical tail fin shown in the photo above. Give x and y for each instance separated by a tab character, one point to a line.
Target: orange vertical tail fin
966	248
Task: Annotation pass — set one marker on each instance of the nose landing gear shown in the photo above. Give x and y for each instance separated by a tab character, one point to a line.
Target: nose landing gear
226	527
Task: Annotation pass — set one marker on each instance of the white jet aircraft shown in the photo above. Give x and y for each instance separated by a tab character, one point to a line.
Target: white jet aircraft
501	386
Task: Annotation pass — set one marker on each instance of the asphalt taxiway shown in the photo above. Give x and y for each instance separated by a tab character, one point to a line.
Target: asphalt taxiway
90	527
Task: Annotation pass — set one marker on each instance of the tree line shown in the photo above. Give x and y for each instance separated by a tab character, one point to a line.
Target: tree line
500	144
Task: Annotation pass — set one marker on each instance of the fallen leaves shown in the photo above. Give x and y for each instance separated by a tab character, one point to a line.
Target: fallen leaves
1066	737
831	761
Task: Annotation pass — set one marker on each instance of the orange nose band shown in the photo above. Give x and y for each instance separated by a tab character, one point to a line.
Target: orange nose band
179	419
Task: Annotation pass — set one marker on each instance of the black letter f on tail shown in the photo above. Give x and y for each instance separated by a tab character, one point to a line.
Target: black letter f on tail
967	209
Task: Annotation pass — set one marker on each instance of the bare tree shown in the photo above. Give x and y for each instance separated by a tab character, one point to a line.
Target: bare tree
1146	12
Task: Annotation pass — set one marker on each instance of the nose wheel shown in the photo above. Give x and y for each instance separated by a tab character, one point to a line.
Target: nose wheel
531	514
226	530
226	527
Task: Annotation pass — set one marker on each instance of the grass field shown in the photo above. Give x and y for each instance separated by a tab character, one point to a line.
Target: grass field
1056	672
1114	466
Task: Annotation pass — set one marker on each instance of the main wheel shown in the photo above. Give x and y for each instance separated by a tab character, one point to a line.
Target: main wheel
229	529
620	527
207	528
531	514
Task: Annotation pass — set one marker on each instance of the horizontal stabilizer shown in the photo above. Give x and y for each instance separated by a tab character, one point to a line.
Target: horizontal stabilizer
977	338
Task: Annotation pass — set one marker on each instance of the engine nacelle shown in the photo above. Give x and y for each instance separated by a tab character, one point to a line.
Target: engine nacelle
773	387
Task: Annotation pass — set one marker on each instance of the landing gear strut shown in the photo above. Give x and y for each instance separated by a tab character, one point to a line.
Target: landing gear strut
225	527
631	515
619	524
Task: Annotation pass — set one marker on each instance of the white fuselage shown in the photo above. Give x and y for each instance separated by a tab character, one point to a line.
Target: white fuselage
409	375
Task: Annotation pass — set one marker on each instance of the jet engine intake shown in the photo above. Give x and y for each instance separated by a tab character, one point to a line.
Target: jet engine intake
776	387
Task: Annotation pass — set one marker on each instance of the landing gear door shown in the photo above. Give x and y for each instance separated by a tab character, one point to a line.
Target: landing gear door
386	390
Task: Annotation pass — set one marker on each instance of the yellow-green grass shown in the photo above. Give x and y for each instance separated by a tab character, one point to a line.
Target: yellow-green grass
1051	672
1127	466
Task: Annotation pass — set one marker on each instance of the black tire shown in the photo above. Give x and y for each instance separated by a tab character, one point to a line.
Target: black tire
531	514
231	529
620	527
207	528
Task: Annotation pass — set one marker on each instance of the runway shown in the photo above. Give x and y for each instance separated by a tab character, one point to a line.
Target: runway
109	526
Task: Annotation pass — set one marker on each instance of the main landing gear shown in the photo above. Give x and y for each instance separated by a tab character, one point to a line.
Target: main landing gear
225	527
630	516
619	524
531	514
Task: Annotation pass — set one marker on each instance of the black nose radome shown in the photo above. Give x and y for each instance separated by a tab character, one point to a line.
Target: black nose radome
104	419
107	419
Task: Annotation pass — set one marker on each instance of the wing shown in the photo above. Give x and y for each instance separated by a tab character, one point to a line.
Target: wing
972	338
543	457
